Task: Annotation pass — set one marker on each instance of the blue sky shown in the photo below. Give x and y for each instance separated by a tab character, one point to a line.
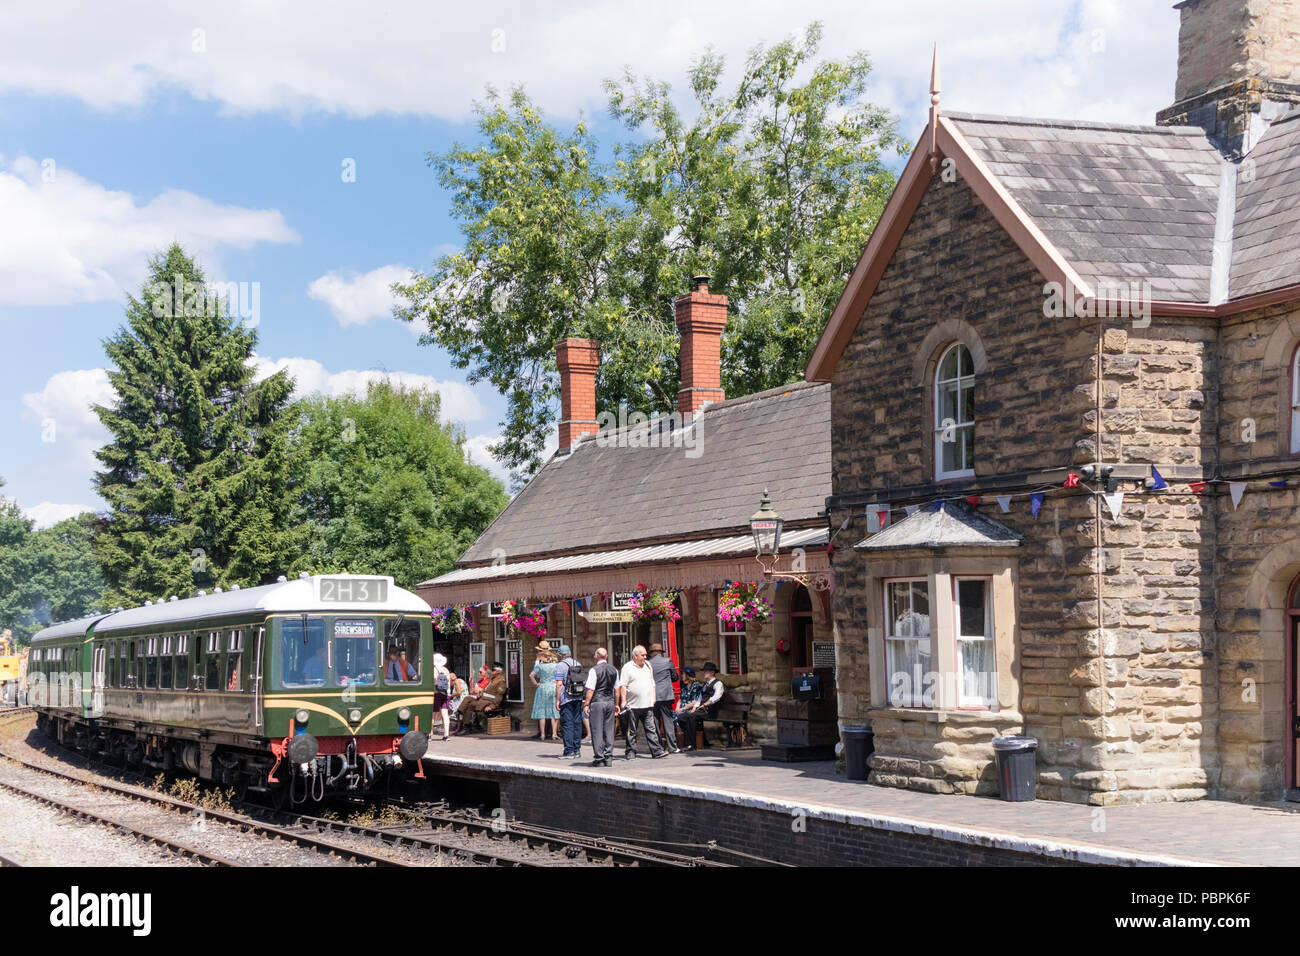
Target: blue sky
225	126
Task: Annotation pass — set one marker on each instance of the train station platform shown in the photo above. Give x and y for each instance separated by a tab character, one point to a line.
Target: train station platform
806	814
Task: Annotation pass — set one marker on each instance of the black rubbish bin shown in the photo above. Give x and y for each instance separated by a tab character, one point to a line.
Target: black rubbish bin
1017	767
858	746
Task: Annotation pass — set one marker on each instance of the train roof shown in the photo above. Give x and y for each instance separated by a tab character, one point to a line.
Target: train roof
64	629
299	595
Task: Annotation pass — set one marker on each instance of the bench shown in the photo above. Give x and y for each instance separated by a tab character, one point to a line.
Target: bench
500	709
733	713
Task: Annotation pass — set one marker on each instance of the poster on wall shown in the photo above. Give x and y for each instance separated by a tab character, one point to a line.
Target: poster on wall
477	658
514	671
823	654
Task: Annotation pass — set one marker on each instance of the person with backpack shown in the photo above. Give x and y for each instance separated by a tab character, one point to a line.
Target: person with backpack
442	693
570	687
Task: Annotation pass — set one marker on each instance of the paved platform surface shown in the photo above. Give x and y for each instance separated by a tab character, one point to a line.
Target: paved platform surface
1205	832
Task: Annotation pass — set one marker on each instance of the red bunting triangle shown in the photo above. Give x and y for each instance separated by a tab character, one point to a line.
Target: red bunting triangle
973	500
1196	486
1071	481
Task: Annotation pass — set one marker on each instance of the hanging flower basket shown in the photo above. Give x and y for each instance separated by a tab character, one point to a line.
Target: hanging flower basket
450	620
523	619
653	604
740	604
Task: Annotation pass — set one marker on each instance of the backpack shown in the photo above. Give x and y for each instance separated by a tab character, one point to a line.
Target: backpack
575	681
442	684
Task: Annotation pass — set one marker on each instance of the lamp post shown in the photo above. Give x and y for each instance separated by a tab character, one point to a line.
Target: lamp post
765	524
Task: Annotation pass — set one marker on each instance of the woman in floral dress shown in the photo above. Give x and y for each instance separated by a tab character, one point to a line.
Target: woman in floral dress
543	677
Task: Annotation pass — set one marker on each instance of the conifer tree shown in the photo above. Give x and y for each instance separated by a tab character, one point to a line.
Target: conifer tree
195	472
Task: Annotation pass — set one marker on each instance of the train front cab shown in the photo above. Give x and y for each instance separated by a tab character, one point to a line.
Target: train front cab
349	697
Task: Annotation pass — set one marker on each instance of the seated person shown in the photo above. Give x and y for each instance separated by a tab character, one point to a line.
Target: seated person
313	671
489	698
399	670
703	707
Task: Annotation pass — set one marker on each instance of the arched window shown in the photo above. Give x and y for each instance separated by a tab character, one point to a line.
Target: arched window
1295	402
954	414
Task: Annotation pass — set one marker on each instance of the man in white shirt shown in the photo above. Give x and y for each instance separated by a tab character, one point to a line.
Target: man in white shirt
636	695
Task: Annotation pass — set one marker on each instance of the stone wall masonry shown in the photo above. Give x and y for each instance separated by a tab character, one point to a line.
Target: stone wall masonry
1116	617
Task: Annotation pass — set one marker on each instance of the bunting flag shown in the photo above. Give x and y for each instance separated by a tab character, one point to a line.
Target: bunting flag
938	505
882	516
911	509
873	522
845	523
1036	502
973	500
1071	481
1278	484
1004	502
1236	489
1157	480
1196	486
1115	501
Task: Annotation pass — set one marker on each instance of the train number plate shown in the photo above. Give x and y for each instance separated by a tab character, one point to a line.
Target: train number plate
353	590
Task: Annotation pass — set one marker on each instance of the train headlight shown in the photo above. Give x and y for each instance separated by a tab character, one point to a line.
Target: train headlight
354	715
404	714
300	716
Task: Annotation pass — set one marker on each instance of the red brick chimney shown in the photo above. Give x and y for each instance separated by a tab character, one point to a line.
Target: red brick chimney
701	317
577	360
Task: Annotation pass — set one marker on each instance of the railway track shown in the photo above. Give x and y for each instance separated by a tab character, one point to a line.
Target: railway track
433	831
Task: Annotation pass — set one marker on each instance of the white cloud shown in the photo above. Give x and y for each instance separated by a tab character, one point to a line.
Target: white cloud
48	513
69	240
1009	56
62	414
460	402
357	299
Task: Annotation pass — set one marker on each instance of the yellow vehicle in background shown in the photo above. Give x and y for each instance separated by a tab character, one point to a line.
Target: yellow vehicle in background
13	669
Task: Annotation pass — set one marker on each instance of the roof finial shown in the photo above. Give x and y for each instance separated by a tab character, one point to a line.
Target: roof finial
934	111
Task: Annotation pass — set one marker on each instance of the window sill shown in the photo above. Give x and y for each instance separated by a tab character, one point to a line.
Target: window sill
939	716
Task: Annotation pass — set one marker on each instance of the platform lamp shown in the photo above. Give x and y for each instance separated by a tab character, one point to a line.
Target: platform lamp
765	524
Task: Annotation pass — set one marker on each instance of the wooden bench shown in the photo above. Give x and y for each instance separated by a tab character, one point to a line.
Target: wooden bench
733	713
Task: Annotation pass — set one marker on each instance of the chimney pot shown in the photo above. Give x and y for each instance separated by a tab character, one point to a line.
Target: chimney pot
578	360
701	318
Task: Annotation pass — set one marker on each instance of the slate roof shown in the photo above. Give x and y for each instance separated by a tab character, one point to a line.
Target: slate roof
1266	237
955	525
602	495
1124	202
1119	202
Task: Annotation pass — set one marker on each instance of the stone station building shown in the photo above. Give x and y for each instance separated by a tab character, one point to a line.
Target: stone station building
1086	321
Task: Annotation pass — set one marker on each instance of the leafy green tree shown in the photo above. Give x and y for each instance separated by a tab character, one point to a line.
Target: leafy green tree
771	187
46	575
16	593
383	486
195	474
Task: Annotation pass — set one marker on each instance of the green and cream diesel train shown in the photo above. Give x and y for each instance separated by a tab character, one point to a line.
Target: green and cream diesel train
298	689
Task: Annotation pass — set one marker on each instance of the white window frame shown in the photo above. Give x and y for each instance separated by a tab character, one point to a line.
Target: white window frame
214	642
916	701
990	637
1295	402
962	423
235	641
723	633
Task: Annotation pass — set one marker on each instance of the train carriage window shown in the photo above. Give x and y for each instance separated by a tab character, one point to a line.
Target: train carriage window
234	660
212	663
133	652
302	652
165	662
181	675
402	652
110	669
354	650
151	663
